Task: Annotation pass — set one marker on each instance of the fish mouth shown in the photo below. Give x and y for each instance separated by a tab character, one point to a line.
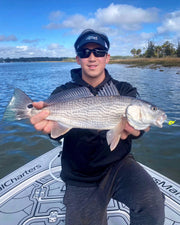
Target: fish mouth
160	120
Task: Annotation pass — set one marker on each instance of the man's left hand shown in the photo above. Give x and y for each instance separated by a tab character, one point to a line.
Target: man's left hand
130	130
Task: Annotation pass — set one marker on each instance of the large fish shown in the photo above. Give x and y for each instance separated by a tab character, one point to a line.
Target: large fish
78	108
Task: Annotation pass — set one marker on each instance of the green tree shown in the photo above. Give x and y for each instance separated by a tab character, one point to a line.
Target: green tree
150	52
138	52
178	49
158	51
133	52
168	49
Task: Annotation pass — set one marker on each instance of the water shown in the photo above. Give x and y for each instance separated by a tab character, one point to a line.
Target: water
20	142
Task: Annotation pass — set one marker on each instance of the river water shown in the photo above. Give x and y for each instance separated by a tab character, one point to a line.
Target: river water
20	142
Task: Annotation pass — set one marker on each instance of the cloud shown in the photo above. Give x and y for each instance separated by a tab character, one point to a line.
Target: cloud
171	23
57	50
56	15
75	22
53	26
122	44
55	18
54	46
8	38
22	48
146	36
52	50
78	22
124	16
30	41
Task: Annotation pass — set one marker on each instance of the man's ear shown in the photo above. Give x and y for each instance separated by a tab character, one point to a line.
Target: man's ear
78	60
108	58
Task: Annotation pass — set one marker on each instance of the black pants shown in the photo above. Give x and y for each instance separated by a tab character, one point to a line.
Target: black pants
127	182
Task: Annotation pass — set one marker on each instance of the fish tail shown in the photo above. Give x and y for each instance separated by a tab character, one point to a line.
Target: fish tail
18	107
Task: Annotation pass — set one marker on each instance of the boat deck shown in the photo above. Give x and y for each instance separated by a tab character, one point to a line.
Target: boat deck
30	196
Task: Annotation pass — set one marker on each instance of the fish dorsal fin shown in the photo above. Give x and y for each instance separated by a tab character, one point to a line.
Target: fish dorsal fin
59	129
113	136
69	94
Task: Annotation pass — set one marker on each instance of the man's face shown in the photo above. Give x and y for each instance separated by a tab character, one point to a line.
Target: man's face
93	67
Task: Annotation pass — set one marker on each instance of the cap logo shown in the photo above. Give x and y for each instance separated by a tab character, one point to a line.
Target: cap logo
92	38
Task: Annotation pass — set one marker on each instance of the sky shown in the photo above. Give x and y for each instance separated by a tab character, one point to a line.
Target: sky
49	28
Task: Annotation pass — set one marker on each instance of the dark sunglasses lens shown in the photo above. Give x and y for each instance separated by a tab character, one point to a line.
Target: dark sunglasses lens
99	52
85	53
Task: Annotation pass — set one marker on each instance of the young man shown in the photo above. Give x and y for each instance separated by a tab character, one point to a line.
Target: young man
92	172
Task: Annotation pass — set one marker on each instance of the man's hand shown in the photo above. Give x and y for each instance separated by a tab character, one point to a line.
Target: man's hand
130	130
39	120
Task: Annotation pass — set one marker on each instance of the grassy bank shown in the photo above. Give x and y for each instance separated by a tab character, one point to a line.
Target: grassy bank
151	62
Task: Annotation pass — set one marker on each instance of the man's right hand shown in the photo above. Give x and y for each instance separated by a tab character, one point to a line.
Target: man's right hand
39	120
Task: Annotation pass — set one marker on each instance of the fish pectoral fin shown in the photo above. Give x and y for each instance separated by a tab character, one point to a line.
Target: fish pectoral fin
113	136
112	139
59	130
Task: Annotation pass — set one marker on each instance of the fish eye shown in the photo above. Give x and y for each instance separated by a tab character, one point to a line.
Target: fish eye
154	108
30	106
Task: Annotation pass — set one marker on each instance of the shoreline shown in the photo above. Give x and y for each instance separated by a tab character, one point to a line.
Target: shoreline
153	63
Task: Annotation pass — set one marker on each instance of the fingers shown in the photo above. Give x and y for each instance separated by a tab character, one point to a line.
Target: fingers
135	132
45	126
39	120
40	126
39	117
47	129
124	135
40	123
147	129
38	105
129	129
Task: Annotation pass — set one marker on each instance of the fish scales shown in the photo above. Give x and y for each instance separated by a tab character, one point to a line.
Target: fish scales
92	112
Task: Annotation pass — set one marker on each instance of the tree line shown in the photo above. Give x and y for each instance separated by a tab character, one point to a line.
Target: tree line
158	51
36	59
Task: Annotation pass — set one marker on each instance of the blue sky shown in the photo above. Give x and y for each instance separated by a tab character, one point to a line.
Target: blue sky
30	28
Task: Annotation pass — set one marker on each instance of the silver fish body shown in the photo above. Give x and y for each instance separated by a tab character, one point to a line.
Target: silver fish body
92	112
78	108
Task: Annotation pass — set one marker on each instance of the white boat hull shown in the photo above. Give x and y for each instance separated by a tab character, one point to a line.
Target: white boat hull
30	196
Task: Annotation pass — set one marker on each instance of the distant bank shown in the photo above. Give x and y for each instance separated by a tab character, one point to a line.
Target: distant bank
151	62
133	62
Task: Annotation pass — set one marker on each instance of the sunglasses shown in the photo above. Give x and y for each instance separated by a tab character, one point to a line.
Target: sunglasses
86	52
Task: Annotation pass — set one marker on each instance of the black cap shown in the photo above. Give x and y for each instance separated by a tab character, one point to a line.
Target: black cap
91	36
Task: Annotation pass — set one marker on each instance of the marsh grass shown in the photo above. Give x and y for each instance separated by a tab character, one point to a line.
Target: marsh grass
151	62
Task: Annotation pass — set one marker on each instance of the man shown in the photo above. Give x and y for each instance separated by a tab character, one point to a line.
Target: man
92	172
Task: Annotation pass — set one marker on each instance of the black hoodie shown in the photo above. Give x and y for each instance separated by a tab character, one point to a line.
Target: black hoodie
86	156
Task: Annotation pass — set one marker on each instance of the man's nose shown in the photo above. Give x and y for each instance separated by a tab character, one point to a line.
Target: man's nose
92	57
